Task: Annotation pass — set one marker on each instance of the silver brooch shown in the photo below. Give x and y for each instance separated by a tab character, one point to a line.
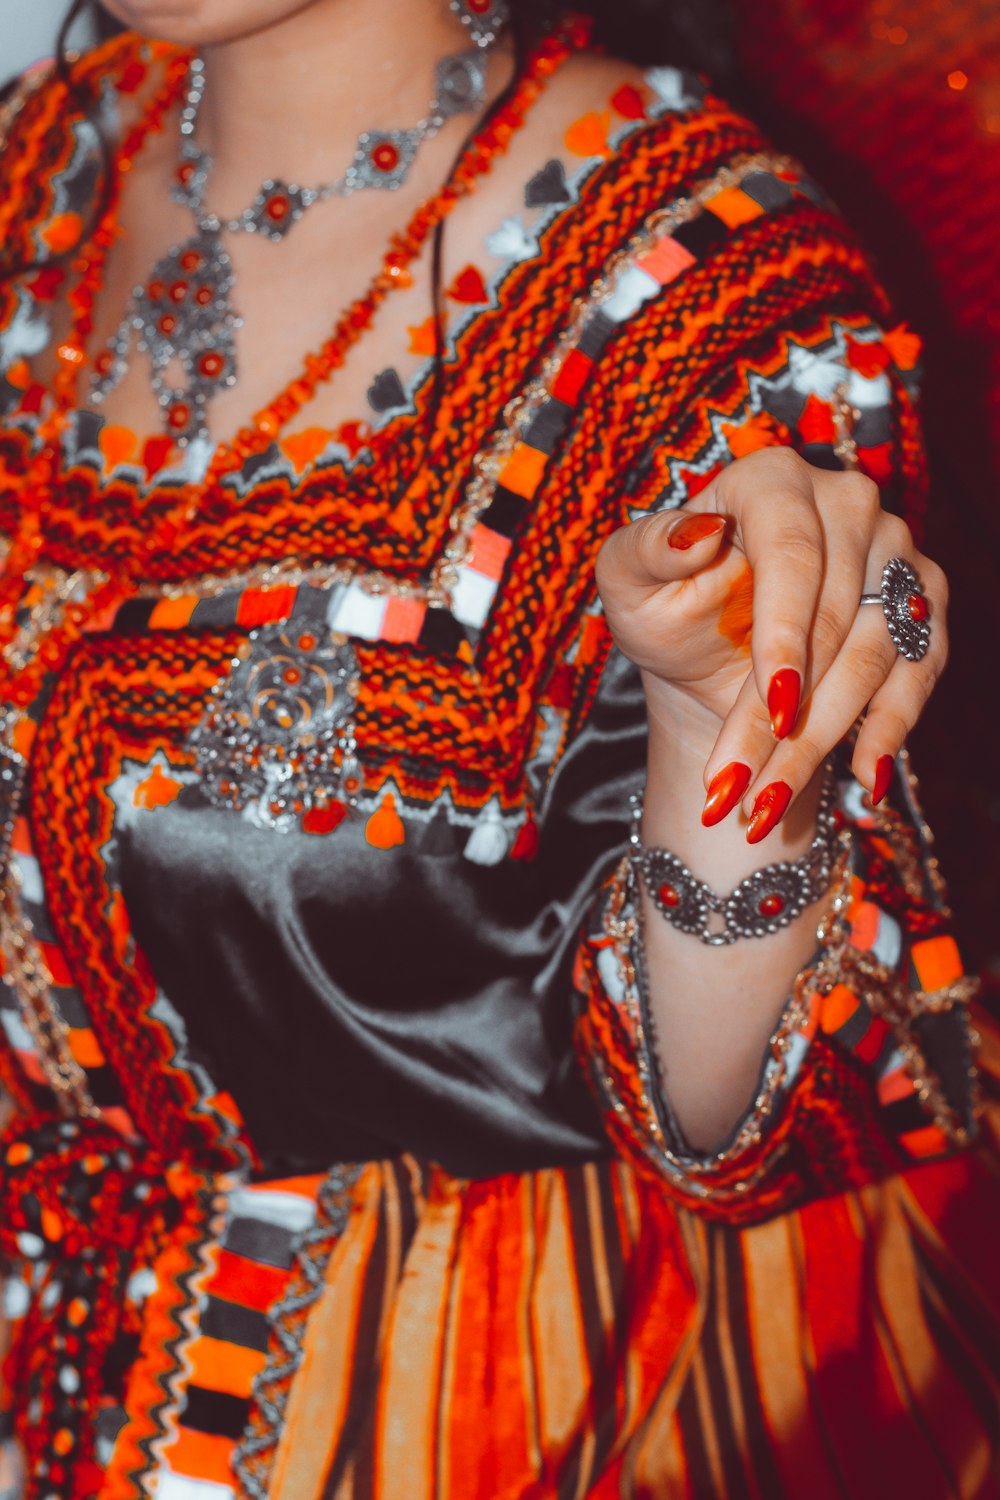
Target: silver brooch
278	738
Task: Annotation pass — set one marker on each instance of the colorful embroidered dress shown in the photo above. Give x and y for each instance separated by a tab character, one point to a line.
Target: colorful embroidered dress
338	1163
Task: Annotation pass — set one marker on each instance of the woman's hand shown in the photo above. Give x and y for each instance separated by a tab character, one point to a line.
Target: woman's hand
796	547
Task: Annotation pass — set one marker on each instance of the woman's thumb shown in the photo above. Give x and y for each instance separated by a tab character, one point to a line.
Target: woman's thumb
660	549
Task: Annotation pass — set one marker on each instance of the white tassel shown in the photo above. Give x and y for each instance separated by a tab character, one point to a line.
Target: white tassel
23	337
512	241
488	841
668	83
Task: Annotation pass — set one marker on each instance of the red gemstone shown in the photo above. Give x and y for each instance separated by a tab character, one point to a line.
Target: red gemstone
104	362
669	895
479	7
278	208
179	415
386	156
178	291
917	605
185	172
211	364
323	818
203	296
772	906
307	642
155	290
167	323
292	676
191	260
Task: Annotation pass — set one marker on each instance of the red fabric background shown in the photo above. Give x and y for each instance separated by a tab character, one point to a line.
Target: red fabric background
895	105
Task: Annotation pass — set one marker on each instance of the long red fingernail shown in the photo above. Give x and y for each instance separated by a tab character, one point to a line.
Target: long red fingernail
783	697
884	767
724	791
694	529
768	810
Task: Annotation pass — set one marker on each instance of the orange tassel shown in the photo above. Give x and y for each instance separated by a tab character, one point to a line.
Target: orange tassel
384	828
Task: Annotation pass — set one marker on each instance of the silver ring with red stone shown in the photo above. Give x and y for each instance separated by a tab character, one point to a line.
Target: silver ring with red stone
761	904
904	604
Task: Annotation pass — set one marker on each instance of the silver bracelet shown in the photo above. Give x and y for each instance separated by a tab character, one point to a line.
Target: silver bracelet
761	904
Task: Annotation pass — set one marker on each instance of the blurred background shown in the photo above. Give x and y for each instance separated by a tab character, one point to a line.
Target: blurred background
895	106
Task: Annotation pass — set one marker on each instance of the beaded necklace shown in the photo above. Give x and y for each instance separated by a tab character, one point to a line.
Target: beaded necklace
42	476
182	315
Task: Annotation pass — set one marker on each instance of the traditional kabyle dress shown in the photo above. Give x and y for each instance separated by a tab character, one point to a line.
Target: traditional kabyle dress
337	1160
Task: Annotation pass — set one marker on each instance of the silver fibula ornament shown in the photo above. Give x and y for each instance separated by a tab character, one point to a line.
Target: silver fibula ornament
905	607
761	904
278	737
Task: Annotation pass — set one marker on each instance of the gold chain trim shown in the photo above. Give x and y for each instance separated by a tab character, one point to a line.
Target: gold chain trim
26	973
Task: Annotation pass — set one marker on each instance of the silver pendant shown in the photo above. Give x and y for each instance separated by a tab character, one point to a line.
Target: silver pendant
182	317
278	737
184	320
484	19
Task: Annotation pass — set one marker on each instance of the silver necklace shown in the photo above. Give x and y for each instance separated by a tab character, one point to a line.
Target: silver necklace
182	316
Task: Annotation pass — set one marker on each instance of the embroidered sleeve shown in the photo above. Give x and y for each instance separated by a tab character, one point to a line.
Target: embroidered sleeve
746	318
869	1069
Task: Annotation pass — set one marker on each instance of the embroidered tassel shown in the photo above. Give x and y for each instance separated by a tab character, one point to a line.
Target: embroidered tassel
384	828
324	817
487	843
526	843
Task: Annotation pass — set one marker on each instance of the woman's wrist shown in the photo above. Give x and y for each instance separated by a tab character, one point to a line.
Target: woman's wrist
681	738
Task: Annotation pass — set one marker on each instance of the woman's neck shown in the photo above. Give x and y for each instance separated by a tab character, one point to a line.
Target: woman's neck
291	99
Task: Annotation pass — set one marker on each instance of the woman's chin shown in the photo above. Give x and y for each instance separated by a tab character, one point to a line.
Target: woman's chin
203	23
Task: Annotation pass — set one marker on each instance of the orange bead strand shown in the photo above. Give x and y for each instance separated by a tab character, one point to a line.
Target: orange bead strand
318	366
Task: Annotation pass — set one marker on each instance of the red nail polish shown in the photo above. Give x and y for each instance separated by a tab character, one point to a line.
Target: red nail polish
783	698
694	529
768	810
724	791
884	767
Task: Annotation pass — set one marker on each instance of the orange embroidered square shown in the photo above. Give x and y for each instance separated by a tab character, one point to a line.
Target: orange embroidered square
837	1007
929	1141
201	1455
894	1085
667	259
865	918
523	471
258	606
55	962
173	614
247	1282
85	1047
937	962
489	552
221	1366
733	206
573	375
402	620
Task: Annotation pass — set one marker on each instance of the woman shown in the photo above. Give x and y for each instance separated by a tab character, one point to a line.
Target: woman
342	1158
